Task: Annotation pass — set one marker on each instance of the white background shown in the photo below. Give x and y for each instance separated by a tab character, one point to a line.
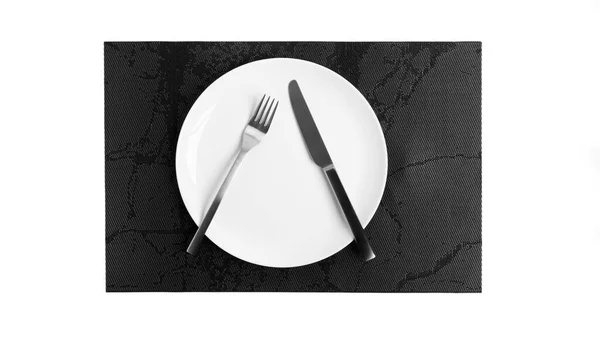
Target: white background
541	169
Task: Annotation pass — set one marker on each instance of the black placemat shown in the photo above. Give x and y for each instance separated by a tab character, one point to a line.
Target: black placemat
426	231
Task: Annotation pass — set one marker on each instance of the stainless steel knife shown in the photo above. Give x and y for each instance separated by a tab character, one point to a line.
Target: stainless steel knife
318	153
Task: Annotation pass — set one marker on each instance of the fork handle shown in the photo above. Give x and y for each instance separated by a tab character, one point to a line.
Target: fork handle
197	239
364	248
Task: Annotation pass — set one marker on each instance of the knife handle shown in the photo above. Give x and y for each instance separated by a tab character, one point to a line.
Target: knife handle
364	248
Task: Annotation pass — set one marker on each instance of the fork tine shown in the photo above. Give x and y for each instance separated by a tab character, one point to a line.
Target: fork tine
262	111
270	116
263	118
258	107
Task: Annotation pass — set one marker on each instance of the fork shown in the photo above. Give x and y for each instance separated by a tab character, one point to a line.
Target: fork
254	132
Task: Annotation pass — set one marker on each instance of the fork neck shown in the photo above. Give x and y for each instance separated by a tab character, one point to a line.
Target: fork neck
251	138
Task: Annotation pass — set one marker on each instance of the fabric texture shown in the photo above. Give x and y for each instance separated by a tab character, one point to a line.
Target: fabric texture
426	231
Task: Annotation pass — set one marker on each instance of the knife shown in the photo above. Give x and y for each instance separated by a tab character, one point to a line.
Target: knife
318	153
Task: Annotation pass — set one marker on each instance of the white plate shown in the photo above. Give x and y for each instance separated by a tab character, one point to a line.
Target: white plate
279	210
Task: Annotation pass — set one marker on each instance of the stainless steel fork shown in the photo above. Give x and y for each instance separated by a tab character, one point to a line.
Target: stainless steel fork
253	133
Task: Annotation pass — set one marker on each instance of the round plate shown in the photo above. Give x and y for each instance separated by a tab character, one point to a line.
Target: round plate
279	210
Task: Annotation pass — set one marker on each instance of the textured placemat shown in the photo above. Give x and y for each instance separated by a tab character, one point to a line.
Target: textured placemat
426	231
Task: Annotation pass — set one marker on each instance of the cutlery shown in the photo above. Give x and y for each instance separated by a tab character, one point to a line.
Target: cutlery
254	132
320	155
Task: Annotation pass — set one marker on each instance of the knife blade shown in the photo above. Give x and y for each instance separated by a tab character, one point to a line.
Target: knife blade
319	154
